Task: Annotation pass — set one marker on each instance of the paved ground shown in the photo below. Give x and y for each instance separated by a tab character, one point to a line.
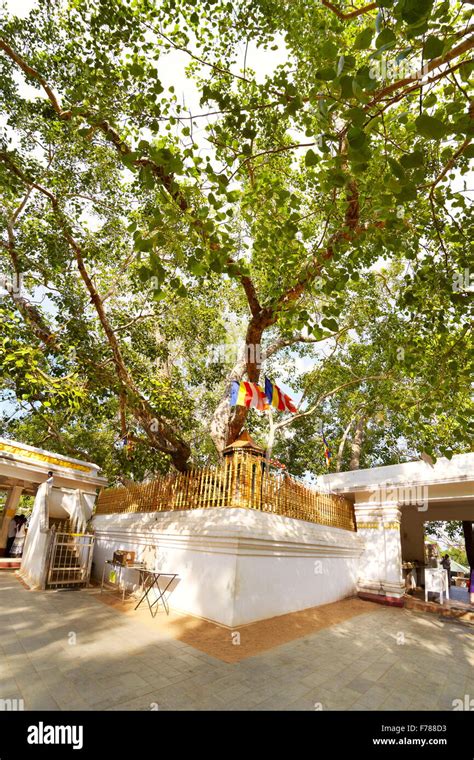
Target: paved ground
457	594
250	640
69	651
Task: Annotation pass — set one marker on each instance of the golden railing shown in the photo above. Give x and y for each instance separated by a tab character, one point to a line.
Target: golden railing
240	481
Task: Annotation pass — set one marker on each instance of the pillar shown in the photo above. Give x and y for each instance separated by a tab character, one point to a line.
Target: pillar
11	507
380	569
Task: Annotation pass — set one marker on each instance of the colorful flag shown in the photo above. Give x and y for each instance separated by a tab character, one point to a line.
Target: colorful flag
278	399
327	453
249	395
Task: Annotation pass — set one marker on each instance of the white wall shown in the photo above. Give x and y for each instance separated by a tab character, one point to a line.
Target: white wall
37	542
236	565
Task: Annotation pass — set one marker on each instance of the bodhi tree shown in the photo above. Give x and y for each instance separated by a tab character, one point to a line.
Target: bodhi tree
140	230
380	390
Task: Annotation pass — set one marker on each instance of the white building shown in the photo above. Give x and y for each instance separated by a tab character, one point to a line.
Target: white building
243	552
68	494
391	506
237	565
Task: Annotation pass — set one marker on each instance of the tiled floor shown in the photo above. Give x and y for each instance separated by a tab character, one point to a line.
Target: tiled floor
67	650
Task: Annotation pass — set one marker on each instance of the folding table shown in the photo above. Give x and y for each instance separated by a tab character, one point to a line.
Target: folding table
150	580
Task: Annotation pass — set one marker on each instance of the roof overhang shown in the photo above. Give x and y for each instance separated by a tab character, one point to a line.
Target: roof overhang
444	472
27	466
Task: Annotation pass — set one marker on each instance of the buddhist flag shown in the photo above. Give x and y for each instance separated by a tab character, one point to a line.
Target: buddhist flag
327	453
249	395
278	399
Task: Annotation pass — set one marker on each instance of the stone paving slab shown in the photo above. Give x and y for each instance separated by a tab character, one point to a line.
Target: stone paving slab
68	651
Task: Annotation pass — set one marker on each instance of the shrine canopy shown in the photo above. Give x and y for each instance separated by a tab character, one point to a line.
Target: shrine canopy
64	489
26	467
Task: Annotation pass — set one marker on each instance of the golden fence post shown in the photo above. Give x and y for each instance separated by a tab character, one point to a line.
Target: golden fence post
239	481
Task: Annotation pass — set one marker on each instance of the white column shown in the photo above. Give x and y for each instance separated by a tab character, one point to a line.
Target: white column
380	572
10	509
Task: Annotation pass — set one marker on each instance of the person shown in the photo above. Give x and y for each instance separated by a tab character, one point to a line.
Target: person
12	528
19	540
446	563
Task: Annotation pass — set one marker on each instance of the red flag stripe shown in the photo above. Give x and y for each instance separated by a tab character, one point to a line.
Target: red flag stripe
248	394
281	400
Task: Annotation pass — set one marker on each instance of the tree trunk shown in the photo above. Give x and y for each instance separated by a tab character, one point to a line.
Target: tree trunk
342	444
357	441
227	422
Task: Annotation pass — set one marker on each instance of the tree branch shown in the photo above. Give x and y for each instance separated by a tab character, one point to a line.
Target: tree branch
166	179
463	47
294	417
161	435
352	14
34	74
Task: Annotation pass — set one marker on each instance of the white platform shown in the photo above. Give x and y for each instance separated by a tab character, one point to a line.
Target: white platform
236	565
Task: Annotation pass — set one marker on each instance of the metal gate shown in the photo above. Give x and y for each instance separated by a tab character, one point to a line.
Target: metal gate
70	560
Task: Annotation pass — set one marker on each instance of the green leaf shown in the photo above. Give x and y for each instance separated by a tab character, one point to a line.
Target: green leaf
412	160
363	39
385	39
337	178
346	86
144	274
330	324
311	158
360	168
356	137
143	244
430	100
357	90
357	116
329	49
414	11
396	168
433	47
326	74
137	69
430	127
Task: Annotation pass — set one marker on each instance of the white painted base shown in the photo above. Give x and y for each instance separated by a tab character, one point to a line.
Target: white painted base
236	565
381	588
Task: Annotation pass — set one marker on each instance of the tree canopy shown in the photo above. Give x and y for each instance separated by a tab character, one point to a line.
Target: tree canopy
302	212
